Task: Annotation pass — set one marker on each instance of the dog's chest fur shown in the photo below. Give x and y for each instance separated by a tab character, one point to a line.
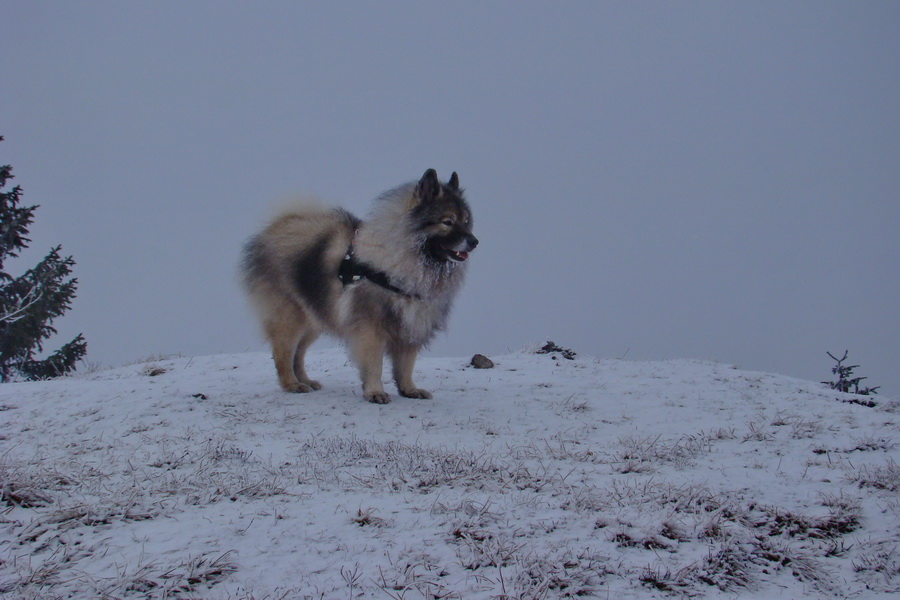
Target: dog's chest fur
407	320
420	320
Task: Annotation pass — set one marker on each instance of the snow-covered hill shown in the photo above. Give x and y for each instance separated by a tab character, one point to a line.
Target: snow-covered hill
541	478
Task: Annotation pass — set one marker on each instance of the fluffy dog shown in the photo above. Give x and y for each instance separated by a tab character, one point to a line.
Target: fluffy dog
385	285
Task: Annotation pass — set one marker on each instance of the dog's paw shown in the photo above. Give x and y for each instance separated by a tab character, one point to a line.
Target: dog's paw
312	385
416	393
378	397
296	387
302	387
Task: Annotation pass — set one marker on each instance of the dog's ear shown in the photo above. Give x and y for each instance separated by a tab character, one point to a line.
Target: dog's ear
453	184
429	188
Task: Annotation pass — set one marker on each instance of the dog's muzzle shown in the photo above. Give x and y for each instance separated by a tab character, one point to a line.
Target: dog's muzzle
460	253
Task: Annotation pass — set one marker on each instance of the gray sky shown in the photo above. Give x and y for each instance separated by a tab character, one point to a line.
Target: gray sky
650	180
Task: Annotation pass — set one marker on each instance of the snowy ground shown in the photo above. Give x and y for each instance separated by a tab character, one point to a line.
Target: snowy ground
540	478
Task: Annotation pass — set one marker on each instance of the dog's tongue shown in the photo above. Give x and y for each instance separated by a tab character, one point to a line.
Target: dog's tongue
462	255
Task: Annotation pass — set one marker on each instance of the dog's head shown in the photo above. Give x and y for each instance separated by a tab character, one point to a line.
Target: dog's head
442	219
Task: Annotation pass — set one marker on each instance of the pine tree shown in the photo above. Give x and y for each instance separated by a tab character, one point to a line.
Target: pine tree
30	303
846	382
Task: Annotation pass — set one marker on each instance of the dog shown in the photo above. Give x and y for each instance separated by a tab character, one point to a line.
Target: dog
384	285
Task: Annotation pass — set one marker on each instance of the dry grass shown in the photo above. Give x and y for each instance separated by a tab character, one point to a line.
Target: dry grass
628	506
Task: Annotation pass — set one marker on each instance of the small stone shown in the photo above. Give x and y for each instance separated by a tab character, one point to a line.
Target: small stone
480	361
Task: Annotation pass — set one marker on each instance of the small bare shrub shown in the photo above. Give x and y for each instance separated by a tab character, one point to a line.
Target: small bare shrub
884	477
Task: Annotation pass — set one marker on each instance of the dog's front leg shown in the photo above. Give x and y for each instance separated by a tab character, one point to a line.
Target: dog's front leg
404	360
367	349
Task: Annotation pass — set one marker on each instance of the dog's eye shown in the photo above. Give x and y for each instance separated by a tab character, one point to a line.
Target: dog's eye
448	222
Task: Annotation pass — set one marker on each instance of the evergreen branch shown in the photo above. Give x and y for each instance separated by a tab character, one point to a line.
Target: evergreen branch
20	309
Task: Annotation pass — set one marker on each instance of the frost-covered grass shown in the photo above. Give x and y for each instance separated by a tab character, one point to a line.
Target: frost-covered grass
544	477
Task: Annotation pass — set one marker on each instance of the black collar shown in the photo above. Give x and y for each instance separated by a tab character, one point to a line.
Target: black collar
351	271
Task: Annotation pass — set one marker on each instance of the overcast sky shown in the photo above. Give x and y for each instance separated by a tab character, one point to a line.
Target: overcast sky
650	180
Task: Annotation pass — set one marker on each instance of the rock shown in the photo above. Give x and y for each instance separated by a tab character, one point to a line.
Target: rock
480	361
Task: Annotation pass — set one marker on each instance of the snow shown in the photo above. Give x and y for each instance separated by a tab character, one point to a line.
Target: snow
540	478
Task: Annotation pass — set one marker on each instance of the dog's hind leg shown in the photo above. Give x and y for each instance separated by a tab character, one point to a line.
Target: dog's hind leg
286	327
306	339
404	359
